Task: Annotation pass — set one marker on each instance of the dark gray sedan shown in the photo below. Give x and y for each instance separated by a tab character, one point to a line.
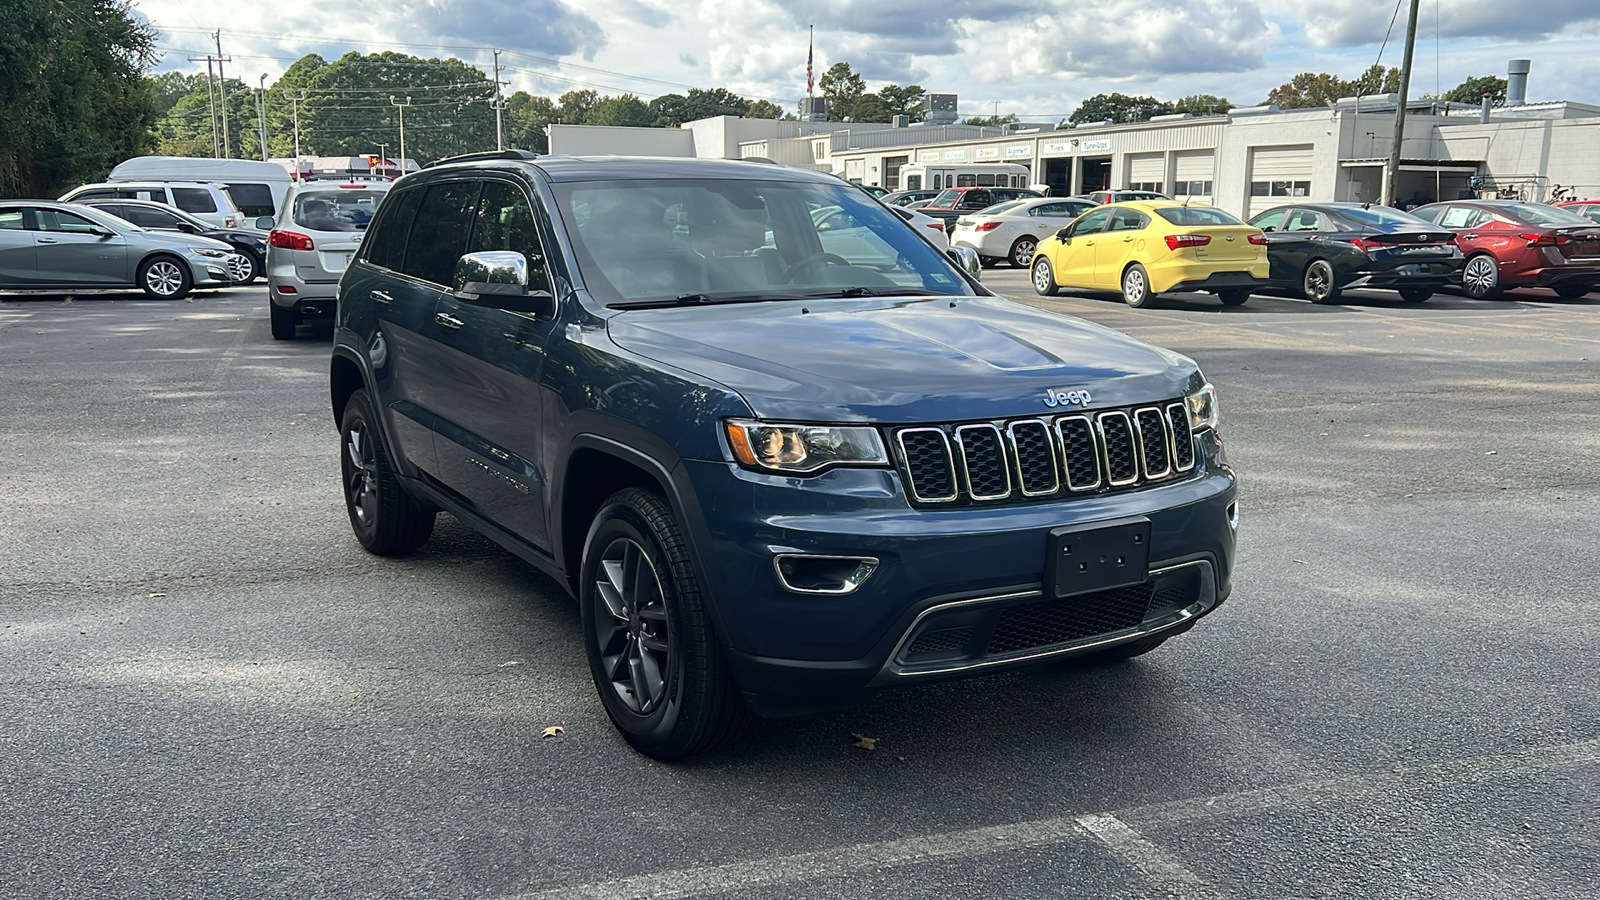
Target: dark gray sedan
47	245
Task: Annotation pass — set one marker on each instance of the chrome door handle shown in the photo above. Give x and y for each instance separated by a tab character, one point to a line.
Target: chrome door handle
448	320
380	296
47	240
1470	237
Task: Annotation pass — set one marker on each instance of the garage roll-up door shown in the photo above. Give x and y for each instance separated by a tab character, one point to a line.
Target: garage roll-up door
1278	175
1194	176
1147	171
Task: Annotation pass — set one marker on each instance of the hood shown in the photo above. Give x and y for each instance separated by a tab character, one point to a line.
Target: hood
902	361
178	241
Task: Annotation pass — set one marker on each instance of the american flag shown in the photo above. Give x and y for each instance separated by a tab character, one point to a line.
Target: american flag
809	49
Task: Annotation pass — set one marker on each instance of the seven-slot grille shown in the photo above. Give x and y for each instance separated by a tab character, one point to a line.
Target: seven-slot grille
1046	457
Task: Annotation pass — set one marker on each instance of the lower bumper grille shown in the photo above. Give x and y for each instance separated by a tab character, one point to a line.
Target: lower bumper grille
971	635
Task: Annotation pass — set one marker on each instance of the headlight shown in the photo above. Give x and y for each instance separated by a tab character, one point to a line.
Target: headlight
798	449
208	252
1202	408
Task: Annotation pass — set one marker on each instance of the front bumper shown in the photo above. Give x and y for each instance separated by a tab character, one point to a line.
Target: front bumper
796	652
208	272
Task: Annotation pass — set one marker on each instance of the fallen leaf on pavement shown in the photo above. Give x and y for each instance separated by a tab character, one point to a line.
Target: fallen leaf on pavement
865	742
552	731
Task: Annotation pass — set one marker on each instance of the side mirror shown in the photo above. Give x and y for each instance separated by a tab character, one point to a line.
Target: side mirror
498	279
102	232
966	259
265	223
1064	235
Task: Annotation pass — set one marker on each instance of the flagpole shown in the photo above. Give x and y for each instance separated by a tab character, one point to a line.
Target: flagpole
811	47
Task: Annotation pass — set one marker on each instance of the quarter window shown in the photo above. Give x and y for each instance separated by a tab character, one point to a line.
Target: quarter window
252	199
440	231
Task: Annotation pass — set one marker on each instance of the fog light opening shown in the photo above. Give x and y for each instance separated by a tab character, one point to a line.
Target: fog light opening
807	574
1233	515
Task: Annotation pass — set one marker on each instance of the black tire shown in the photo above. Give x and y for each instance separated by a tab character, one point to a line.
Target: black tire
165	278
387	520
1572	291
1234	296
1136	287
1416	295
1319	284
650	641
284	321
1043	277
1022	250
1122	652
1480	277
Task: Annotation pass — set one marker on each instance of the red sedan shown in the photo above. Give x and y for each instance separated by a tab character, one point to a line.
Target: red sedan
1511	243
1589	209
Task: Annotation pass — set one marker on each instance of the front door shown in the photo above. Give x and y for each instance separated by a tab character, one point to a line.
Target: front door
1075	259
489	444
70	249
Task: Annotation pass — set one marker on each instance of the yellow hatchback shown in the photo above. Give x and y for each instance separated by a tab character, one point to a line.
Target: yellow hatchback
1149	247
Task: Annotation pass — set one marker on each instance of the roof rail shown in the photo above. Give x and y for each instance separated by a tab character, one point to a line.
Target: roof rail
484	157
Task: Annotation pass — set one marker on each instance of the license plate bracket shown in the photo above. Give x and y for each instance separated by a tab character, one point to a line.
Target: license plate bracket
1097	557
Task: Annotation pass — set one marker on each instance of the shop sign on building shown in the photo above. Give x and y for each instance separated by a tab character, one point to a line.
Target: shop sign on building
1057	147
928	156
1092	146
955	154
1018	150
987	153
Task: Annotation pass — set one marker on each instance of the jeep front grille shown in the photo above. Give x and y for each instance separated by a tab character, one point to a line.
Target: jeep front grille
1035	458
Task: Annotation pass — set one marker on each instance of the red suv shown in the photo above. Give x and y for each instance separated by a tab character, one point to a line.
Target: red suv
1512	243
949	205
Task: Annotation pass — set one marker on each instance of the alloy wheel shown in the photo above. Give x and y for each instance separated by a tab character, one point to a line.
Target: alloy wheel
1133	285
1042	279
1319	281
631	632
1022	253
164	278
1479	276
238	268
361	475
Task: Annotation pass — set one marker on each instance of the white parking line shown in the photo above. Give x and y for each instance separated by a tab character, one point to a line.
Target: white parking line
1115	831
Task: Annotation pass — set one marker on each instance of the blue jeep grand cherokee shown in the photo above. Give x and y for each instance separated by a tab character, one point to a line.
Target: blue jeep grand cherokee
781	449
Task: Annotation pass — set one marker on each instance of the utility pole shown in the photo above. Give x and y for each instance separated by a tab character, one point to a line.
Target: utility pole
402	107
499	104
261	114
1392	175
294	104
222	92
211	103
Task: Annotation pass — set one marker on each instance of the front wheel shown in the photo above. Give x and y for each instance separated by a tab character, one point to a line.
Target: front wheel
1415	295
386	520
1022	251
1233	296
1044	278
1319	284
1480	277
649	638
1136	287
164	278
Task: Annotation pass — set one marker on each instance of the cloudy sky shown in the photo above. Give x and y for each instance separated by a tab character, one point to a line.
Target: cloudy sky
1034	59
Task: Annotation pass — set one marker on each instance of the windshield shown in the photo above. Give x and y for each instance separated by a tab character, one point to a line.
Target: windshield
1196	215
344	209
1381	215
946	198
1539	214
699	239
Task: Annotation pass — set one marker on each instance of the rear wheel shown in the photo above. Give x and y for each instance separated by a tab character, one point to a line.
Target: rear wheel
1136	287
284	321
1318	285
164	278
1233	296
1415	295
1044	278
1572	291
1480	277
386	520
1022	251
651	647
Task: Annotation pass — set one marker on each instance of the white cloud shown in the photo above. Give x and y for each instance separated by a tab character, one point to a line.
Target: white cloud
1352	23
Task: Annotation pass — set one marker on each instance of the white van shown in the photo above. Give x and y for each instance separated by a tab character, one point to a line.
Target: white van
257	187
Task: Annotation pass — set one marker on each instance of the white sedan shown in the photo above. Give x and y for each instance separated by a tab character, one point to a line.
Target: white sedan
1012	230
927	226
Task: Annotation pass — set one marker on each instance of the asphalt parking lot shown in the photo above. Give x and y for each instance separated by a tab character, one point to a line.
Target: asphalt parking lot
211	691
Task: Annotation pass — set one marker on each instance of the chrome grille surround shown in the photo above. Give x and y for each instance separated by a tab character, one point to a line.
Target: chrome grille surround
1040	457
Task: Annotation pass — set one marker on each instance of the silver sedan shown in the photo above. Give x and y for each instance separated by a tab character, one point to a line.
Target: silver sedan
46	245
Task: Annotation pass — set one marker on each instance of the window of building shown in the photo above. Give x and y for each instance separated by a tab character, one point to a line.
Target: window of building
1192	189
1152	186
1280	188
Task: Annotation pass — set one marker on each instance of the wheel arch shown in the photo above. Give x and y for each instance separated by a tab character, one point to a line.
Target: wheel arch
596	469
345	377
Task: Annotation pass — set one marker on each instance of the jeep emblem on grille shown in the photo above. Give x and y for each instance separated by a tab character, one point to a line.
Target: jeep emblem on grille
1055	397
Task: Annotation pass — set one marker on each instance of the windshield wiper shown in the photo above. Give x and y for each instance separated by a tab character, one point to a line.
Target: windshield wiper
691	300
850	293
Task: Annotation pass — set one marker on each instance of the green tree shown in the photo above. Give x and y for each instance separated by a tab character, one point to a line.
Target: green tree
1473	89
526	117
73	94
764	109
670	110
843	89
573	106
1200	104
992	121
901	101
1117	108
624	110
1376	80
706	104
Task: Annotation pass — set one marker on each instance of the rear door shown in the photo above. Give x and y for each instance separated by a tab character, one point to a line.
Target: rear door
489	444
68	250
18	265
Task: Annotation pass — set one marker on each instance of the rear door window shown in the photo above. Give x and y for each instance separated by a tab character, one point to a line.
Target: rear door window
194	200
1457	217
145	217
385	244
439	235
